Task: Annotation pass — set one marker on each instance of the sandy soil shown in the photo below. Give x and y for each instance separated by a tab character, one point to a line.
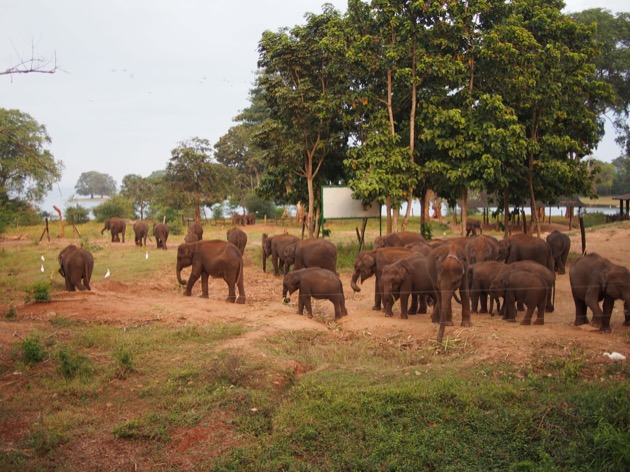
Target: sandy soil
154	301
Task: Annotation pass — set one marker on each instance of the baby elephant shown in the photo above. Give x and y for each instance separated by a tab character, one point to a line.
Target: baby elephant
76	267
318	283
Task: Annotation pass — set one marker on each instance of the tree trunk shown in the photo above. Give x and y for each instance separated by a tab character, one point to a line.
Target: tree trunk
464	210
506	213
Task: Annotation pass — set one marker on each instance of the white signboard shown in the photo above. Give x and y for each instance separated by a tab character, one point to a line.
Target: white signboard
337	203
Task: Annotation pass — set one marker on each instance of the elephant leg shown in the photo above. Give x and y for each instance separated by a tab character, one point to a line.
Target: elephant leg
241	289
527	320
422	304
540	315
474	299
231	290
608	305
483	299
191	282
464	295
306	303
300	310
404	303
509	306
377	295
413	307
337	302
580	312
204	284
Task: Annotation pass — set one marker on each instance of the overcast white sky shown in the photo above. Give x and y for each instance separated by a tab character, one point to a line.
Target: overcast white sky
137	77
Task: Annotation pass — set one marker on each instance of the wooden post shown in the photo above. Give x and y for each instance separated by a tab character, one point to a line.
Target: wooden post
63	227
46	232
583	235
74	228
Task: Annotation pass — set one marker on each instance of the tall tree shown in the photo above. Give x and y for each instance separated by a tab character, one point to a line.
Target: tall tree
193	179
27	168
138	190
95	183
301	74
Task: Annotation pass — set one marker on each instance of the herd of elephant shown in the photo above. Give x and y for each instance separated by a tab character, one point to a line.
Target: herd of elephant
518	272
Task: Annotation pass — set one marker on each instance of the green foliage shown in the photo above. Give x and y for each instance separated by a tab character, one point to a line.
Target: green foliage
14	212
44	440
33	350
10	313
117	206
259	207
39	292
217	211
124	358
77	214
70	364
95	183
427	231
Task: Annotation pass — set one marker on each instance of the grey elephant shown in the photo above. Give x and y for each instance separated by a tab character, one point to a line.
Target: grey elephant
371	263
160	233
522	247
195	229
452	277
397	239
414	277
238	237
482	248
593	279
274	246
141	232
212	258
314	252
522	286
560	245
480	277
317	283
76	266
116	226
472	226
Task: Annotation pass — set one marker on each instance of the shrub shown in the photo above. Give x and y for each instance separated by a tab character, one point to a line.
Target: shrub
260	207
33	350
39	292
79	213
71	364
125	362
10	313
115	206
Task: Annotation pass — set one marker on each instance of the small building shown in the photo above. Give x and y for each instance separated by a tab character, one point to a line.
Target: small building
623	198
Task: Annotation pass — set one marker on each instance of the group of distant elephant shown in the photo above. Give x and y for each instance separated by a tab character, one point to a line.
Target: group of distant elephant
517	272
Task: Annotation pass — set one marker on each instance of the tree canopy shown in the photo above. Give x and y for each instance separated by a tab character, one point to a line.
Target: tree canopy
95	183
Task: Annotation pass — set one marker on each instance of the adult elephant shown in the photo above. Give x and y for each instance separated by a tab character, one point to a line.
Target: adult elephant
160	232
482	248
523	247
314	252
414	277
371	263
238	237
452	276
250	219
116	226
398	239
76	266
560	244
274	246
593	279
196	229
141	232
212	258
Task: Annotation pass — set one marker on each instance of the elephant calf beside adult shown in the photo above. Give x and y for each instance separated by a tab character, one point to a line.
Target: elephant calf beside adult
317	283
274	246
593	279
315	252
76	266
212	258
522	286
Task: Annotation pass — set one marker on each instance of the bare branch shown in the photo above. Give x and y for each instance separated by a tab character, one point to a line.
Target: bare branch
35	64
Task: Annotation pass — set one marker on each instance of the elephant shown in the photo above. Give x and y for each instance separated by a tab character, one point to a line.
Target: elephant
76	266
482	248
141	232
238	237
414	276
472	226
525	287
160	232
315	252
397	239
191	237
212	258
274	246
523	247
452	276
250	219
196	229
480	277
317	283
594	278
560	244
115	226
372	262
238	219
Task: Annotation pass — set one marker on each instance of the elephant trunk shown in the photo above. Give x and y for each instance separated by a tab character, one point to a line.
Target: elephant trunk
179	275
353	282
264	257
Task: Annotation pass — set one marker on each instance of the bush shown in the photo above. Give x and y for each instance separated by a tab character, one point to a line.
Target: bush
10	313
33	350
72	364
115	206
17	212
39	291
79	213
260	207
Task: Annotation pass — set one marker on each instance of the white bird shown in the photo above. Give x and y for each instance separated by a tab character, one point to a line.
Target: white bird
107	274
146	256
615	356
42	258
42	269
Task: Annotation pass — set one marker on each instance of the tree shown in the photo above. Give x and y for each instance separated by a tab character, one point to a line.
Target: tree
32	64
137	189
303	83
27	168
95	183
193	179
